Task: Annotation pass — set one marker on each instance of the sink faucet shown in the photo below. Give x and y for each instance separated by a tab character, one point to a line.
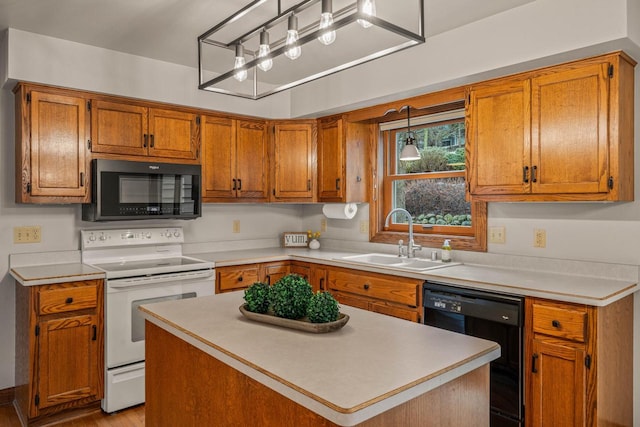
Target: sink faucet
411	246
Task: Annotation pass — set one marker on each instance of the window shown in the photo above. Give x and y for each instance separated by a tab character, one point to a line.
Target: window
431	189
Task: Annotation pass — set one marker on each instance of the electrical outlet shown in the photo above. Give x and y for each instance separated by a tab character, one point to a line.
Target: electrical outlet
28	234
364	227
236	225
497	235
539	238
323	225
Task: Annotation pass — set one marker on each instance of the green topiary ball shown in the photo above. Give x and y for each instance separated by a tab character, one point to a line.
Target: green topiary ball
257	297
290	296
323	308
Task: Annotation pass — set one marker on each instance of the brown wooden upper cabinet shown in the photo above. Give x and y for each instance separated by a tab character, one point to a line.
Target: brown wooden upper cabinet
52	128
131	129
294	161
234	160
560	133
342	160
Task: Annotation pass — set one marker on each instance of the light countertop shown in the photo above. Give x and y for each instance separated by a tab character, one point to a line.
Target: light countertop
372	364
582	289
55	273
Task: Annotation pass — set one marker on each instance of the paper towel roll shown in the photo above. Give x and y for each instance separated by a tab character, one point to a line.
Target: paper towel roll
340	210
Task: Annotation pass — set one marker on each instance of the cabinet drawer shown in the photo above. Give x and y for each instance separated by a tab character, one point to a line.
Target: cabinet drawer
234	278
391	310
67	297
389	288
351	300
562	321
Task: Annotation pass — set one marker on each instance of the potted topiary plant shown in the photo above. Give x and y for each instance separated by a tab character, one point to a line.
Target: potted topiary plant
323	308
290	296
257	297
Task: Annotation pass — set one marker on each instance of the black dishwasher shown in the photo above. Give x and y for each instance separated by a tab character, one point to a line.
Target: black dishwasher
492	316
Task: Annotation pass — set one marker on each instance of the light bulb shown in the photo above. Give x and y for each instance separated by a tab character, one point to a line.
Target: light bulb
293	47
263	51
326	20
368	7
241	71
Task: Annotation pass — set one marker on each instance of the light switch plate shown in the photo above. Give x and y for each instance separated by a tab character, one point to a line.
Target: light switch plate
497	235
27	234
539	238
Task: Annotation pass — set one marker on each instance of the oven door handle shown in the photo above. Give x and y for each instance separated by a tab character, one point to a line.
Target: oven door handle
133	282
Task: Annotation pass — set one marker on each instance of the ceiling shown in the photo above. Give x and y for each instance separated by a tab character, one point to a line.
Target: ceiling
167	30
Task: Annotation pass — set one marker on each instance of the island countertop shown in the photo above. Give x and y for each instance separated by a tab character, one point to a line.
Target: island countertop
372	364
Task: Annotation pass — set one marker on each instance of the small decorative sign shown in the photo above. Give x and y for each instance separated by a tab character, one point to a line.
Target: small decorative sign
295	240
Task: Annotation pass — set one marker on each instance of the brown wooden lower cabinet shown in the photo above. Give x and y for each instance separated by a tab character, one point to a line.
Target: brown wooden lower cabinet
59	348
381	293
578	363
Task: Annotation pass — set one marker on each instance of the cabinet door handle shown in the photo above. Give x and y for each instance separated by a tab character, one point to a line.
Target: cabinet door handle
534	171
337	183
366	286
322	283
555	323
308	185
534	359
268	277
525	174
95	333
144	143
152	140
234	184
68	300
81	179
239	184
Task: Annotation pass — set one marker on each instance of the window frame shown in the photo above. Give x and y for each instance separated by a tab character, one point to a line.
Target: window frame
473	238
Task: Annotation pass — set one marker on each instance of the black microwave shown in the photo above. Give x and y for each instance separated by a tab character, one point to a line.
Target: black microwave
125	190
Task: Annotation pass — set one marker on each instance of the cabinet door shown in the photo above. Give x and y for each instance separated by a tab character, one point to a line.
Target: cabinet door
318	277
331	162
301	270
218	158
119	128
252	160
272	272
558	385
58	146
68	362
569	126
173	134
294	157
499	138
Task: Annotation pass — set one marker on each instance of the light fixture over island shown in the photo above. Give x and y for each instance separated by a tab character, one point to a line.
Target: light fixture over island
208	365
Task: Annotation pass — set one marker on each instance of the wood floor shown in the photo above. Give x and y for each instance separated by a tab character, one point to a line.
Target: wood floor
133	417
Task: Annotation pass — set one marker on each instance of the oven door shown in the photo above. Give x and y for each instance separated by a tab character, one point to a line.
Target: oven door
124	323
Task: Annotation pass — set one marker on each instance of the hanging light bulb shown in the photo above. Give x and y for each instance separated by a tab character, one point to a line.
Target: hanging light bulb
368	7
326	20
293	47
263	52
241	71
409	151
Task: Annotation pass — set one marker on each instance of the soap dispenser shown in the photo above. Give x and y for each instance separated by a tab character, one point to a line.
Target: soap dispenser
446	251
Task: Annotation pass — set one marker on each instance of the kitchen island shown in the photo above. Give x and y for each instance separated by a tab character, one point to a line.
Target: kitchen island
208	365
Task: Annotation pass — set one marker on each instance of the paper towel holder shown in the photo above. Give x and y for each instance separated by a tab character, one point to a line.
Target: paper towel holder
340	210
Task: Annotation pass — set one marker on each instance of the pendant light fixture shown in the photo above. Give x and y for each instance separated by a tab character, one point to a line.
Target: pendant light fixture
293	46
264	52
240	73
409	151
262	33
367	7
326	21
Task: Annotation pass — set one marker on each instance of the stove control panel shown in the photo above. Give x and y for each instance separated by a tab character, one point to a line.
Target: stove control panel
130	237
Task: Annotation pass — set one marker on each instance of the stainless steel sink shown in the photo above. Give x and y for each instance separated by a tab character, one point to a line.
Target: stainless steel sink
394	261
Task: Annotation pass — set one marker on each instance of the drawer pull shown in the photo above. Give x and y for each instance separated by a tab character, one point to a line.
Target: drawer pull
68	300
555	323
240	279
366	286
